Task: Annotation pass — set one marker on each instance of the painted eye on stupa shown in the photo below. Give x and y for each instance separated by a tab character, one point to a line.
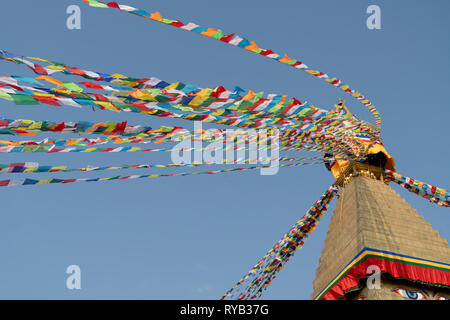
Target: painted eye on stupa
443	298
409	294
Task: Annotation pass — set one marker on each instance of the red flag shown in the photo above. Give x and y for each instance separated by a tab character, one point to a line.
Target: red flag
91	85
113	5
59	127
218	91
39	69
227	38
177	24
75	70
47	100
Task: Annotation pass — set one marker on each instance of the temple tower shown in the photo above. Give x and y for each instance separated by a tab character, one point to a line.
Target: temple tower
378	247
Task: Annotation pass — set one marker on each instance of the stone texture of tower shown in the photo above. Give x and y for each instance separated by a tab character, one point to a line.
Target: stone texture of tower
378	246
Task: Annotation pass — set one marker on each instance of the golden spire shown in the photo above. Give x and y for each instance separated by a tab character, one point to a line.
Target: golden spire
340	106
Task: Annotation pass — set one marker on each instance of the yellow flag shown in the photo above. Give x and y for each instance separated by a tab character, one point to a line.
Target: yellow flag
107	105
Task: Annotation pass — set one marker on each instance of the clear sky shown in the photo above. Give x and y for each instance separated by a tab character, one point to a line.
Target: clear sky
193	237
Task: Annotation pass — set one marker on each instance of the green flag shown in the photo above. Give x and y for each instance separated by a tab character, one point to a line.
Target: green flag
22	99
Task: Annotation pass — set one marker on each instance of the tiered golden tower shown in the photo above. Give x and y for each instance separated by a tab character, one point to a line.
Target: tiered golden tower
378	247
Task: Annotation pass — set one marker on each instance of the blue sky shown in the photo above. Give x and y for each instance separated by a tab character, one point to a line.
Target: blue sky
193	237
